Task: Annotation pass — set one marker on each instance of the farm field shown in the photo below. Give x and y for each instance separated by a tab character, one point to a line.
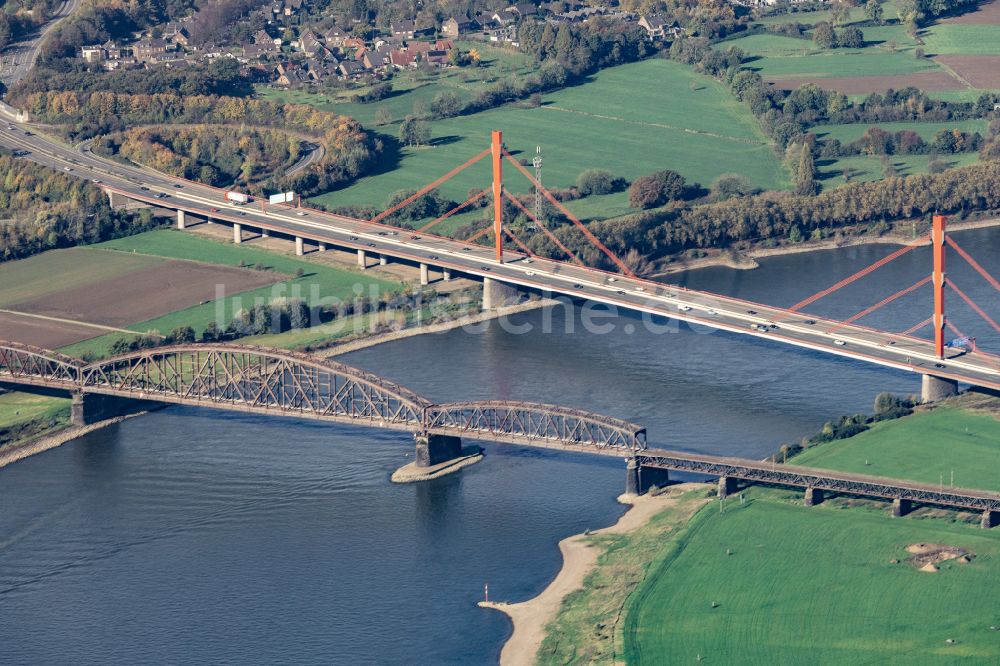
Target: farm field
317	283
680	120
926	446
775	582
64	287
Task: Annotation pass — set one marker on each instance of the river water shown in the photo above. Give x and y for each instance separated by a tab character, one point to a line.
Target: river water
207	537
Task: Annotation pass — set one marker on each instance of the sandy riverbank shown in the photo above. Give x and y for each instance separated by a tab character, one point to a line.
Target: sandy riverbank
53	439
440	327
579	557
747	260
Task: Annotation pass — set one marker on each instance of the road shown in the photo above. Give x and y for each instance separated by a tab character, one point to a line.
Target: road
18	58
712	310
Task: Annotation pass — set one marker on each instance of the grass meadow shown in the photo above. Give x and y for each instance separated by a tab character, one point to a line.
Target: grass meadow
928	447
775	582
630	120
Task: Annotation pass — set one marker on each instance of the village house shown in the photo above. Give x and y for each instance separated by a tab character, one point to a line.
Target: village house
335	37
350	69
147	50
457	26
92	54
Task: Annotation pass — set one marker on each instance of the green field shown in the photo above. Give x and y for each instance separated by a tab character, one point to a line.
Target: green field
841	63
51	272
951	39
848	133
928	446
319	283
775	582
631	120
866	168
17	408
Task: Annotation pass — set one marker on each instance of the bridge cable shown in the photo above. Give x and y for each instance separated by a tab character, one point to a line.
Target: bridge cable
883	302
518	242
860	274
972	304
914	329
470	200
972	262
555	202
541	225
427	188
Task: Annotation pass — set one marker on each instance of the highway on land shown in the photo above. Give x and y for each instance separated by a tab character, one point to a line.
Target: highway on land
18	58
711	310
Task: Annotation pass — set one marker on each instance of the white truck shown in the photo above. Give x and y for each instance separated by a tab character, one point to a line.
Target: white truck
237	198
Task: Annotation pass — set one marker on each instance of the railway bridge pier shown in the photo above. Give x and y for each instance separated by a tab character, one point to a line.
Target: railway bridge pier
89	408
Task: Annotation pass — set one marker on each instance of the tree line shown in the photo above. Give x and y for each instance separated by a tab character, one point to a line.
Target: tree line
45	209
350	150
217	155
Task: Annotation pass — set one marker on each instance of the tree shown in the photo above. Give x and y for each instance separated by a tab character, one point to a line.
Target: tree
824	36
446	104
595	181
181	335
383	115
414	132
875	11
730	185
805	174
656	189
851	38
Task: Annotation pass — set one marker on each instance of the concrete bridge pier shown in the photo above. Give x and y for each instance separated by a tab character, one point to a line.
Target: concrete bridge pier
264	233
989	519
901	507
322	247
362	259
727	486
640	478
937	388
181	220
237	233
436	449
382	260
300	248
497	294
88	408
814	496
425	275
446	274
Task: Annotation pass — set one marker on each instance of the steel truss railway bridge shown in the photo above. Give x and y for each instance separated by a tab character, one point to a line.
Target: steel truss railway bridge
283	383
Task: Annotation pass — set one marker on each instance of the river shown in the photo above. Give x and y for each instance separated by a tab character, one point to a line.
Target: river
208	537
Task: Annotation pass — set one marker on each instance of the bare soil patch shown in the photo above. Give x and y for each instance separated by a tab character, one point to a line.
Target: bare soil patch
42	333
981	71
146	294
926	556
987	14
929	81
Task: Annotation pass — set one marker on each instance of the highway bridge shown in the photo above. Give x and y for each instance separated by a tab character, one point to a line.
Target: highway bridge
503	270
278	382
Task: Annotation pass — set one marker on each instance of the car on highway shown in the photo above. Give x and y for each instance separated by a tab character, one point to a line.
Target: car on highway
95	180
839	343
578	286
28	134
213	210
484	268
529	273
433	257
751	312
371	244
161	195
683	308
10	127
352	238
144	188
620	292
711	312
67	168
940	365
810	321
414	237
178	186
